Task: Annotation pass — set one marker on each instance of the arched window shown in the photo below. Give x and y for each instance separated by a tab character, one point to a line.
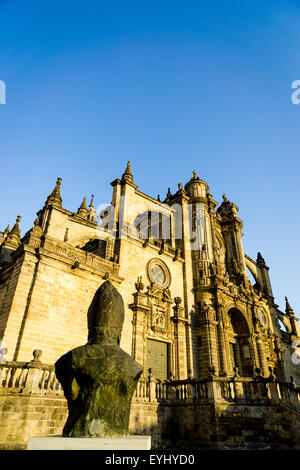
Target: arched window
151	224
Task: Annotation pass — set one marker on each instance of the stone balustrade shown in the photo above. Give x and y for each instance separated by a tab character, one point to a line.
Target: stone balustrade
35	377
32	377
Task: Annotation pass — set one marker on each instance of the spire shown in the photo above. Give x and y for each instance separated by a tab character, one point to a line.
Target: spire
13	238
127	175
6	232
91	203
260	261
288	309
92	213
82	210
55	197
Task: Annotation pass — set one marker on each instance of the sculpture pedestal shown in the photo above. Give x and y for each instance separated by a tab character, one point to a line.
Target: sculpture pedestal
89	443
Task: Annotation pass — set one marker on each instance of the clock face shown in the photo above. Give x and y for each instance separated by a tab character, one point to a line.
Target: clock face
157	274
261	317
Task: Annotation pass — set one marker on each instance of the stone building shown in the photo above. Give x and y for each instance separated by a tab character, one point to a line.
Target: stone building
191	312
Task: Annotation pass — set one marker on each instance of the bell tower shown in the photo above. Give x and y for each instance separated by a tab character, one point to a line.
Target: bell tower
202	208
232	233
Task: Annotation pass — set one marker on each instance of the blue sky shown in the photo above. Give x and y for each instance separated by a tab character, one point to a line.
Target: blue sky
171	86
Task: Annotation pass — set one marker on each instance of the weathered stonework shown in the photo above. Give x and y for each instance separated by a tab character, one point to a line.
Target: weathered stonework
191	312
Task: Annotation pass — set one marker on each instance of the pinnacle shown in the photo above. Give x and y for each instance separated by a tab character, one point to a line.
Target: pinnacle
14	235
288	308
127	175
55	196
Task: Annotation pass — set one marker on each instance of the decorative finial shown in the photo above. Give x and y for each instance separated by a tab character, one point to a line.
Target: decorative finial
169	194
127	175
128	170
82	210
224	198
13	237
158	197
260	261
91	203
92	213
195	174
288	308
55	197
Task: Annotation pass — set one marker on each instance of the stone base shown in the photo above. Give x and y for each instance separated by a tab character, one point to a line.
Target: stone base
89	443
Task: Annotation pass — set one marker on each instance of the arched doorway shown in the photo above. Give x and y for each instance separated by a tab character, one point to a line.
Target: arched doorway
239	345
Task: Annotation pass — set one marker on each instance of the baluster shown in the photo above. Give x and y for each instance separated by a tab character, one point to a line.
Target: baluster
50	380
165	394
138	391
8	376
3	373
43	382
53	381
23	378
15	376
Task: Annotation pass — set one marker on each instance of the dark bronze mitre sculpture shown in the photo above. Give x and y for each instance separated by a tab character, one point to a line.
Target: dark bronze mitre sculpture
99	378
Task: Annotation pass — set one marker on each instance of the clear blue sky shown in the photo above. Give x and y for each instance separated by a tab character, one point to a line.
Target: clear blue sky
172	86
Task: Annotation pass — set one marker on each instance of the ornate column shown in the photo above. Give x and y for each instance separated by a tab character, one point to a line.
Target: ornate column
207	329
221	340
261	357
180	324
140	311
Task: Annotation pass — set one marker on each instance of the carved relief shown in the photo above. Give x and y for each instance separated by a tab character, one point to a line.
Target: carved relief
77	255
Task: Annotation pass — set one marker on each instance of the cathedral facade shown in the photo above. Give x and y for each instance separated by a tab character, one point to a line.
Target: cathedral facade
179	264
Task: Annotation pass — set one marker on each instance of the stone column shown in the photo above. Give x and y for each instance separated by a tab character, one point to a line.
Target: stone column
221	341
261	357
140	310
208	331
180	323
253	351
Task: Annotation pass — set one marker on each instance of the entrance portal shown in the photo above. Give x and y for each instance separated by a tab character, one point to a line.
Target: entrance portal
239	343
157	358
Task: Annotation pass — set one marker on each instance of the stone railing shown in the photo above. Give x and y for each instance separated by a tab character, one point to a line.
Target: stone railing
32	377
235	390
170	391
260	390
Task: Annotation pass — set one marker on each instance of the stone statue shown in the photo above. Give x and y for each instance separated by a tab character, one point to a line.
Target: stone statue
99	378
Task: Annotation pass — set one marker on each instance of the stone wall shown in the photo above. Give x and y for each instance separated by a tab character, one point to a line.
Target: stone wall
291	357
216	413
24	416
